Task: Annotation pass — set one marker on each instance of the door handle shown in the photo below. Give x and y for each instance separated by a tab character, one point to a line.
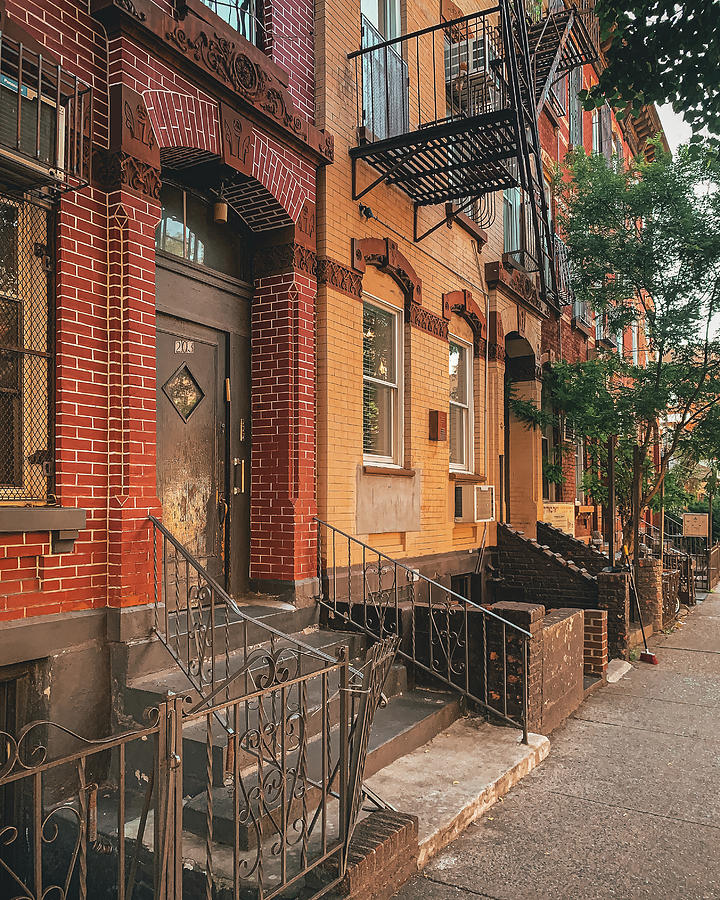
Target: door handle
237	461
224	509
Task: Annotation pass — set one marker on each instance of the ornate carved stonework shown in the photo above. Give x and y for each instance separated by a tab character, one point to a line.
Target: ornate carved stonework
334	273
516	283
225	57
115	169
384	255
462	304
496	337
238	140
285	258
426	321
130	128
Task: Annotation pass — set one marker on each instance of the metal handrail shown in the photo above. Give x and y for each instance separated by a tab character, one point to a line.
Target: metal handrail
439	633
205	607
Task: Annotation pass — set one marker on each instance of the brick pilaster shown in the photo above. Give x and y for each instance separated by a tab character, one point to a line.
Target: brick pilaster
614	596
649	588
283	540
596	642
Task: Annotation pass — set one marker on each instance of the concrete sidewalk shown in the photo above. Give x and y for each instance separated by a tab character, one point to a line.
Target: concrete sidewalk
626	805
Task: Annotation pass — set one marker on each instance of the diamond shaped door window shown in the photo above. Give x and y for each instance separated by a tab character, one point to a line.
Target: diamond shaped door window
183	391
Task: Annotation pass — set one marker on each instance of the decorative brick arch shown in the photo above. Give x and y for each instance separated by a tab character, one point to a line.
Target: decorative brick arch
262	185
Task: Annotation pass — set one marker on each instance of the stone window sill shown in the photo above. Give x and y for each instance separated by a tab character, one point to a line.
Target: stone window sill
64	523
383	470
467	478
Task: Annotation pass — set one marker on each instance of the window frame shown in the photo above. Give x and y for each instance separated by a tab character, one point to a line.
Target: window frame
579	471
468	406
394	461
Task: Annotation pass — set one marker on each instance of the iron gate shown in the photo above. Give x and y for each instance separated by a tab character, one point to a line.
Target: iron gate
270	801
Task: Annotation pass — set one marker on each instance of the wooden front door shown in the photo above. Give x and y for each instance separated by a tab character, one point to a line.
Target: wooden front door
192	438
203	416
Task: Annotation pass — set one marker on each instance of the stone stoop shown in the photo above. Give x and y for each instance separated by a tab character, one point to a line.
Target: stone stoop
457	776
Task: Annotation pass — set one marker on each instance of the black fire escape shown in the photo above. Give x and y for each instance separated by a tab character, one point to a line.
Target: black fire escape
449	113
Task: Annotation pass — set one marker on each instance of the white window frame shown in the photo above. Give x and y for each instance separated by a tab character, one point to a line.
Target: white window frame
596	132
579	471
469	408
396	457
635	334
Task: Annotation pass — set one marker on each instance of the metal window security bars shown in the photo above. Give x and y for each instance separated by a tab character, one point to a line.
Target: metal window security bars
26	346
458	643
46	116
245	786
245	16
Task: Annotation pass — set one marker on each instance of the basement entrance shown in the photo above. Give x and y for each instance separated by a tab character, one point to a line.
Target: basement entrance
203	391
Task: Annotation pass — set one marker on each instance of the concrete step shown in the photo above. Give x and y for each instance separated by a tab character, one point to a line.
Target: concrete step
140	754
407	722
454	778
145	657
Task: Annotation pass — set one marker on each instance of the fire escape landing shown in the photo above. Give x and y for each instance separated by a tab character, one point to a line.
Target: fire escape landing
449	113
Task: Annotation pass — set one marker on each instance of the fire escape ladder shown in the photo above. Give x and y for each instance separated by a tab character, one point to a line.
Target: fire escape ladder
530	170
558	42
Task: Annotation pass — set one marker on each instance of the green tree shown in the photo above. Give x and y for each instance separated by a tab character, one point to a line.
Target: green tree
661	51
645	250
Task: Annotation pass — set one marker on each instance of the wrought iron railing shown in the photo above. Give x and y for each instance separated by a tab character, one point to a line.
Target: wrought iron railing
440	74
458	642
46	117
562	267
203	628
112	817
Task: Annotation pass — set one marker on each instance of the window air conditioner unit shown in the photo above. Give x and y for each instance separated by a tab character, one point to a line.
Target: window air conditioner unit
43	154
474	503
473	56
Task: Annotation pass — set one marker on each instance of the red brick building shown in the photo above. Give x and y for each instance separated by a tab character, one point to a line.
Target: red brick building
158	235
574	334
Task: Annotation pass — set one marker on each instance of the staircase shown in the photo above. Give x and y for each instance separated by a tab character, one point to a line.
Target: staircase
558	42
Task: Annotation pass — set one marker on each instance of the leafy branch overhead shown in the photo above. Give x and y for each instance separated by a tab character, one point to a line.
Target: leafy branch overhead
661	51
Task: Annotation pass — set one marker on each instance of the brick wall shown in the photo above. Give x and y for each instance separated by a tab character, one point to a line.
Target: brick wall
555	662
596	642
614	597
571	548
541	575
105	334
650	593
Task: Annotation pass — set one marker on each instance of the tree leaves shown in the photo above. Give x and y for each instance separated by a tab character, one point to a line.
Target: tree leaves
661	51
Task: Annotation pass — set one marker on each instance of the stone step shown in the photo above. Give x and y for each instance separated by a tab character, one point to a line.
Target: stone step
147	656
407	722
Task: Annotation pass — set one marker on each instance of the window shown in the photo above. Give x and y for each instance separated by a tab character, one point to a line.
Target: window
26	370
579	472
243	15
187	230
635	344
512	207
384	77
384	16
559	92
382	365
575	110
596	135
460	406
545	449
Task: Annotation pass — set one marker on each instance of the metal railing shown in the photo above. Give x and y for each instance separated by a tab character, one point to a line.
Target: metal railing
439	74
114	818
562	267
46	117
203	628
713	567
461	644
245	16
